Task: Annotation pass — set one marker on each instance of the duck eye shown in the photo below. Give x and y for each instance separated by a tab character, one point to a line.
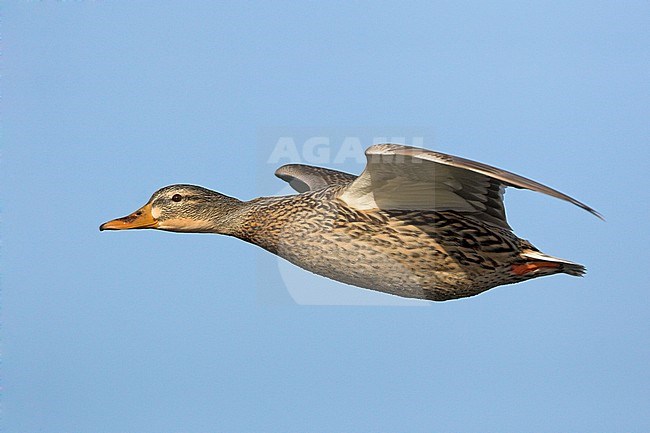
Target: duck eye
177	197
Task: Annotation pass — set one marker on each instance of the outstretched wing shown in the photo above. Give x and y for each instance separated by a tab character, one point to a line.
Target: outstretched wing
304	178
404	177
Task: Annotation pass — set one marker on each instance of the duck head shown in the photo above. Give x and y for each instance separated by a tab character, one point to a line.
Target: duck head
180	208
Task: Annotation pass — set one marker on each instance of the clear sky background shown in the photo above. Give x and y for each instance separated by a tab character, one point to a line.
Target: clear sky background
138	332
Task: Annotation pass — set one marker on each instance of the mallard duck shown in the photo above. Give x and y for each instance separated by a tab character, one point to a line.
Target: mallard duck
416	223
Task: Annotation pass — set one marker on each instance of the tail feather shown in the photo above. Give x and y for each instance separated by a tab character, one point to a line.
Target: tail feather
565	266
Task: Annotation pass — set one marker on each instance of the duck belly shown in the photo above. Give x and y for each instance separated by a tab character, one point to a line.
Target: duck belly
393	255
434	255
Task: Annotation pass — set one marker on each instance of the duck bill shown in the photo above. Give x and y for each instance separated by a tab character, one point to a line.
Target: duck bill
140	219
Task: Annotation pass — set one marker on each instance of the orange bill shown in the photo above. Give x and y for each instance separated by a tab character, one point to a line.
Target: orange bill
140	219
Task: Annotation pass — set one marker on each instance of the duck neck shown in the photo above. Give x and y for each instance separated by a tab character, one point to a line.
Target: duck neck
260	222
225	219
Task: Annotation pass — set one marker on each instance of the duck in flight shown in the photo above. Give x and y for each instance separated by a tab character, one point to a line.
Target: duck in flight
416	223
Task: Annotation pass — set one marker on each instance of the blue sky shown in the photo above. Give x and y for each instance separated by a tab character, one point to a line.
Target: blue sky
105	102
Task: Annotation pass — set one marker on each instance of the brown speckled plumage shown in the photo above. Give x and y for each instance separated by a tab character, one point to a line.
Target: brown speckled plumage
429	255
435	254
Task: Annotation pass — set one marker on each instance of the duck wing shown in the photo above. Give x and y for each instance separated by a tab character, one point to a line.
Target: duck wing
410	178
305	178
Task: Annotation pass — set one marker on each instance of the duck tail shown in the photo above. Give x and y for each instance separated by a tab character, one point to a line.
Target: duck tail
536	260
